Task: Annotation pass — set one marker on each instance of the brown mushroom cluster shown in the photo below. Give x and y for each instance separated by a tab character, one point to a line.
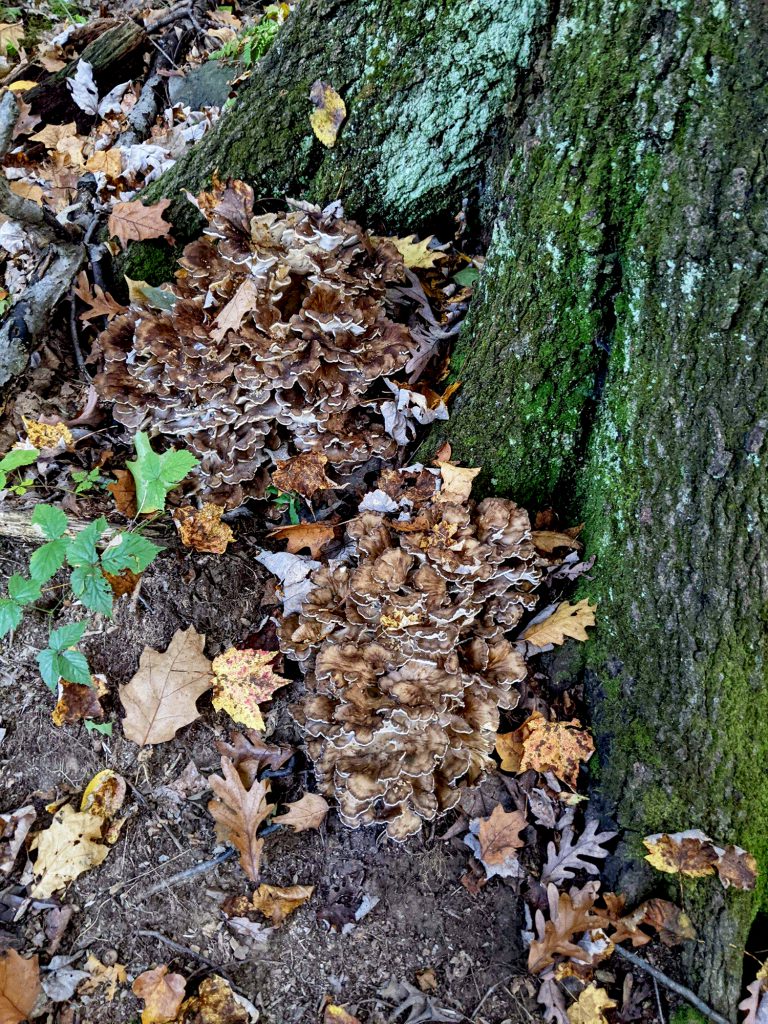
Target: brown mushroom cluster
274	340
405	657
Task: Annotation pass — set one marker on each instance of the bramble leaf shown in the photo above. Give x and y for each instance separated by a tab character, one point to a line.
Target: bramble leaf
89	585
23	591
47	560
51	521
155	475
81	550
18	457
66	636
10	615
129	551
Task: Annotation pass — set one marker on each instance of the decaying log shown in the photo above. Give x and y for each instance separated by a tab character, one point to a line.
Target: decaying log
18	526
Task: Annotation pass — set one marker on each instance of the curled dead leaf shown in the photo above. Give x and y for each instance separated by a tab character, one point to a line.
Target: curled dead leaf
202	529
307	812
274	902
76	702
304	474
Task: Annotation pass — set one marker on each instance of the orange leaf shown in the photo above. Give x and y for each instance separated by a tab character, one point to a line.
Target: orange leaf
314	536
162	994
202	529
308	812
238	813
135	222
499	835
19	986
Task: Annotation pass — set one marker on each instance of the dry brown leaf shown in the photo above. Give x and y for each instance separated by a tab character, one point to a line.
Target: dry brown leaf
338	1015
499	835
569	914
558	747
249	754
135	222
105	794
123	490
567	620
274	902
214	1003
202	529
672	924
162	994
48	435
736	867
238	813
68	847
314	536
103	976
162	697
27	190
329	113
688	853
124	582
14	827
101	303
304	474
243	680
590	1007
305	813
26	122
547	541
52	134
457	483
108	161
19	986
231	316
77	702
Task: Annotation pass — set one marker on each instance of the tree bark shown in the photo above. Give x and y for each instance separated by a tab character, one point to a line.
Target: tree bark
614	361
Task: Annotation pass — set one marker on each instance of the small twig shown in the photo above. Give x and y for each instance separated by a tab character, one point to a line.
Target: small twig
185	950
183	876
75	334
673	986
488	994
175	14
658	1001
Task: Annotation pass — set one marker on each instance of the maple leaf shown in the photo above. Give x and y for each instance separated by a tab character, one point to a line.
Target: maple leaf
71	845
249	754
231	316
103	976
101	303
19	986
161	698
314	536
590	1006
567	620
417	255
557	747
571	855
242	680
569	914
688	853
329	113
304	474
305	813
457	483
672	924
202	529
238	813
274	902
135	222
52	134
499	835
14	827
106	161
162	994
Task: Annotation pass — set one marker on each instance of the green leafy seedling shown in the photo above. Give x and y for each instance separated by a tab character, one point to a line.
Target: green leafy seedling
15	459
49	558
21	592
156	474
86	480
105	728
59	660
286	501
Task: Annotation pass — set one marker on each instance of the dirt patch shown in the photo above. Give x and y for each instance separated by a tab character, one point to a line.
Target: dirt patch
422	916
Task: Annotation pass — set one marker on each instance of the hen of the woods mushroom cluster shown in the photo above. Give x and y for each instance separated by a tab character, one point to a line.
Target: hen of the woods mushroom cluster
274	340
405	654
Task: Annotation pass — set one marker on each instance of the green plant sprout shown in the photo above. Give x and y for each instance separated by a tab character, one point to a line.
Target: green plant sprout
86	480
15	459
253	42
286	501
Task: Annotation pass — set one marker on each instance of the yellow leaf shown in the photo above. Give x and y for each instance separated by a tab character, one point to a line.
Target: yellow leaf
104	794
567	620
27	190
22	86
13	34
457	483
242	680
688	853
102	976
109	161
202	529
589	1007
161	698
71	845
277	902
314	536
338	1015
544	746
417	255
329	113
52	134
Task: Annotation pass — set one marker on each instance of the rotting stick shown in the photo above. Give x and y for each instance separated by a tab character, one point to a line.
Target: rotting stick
673	986
183	876
177	946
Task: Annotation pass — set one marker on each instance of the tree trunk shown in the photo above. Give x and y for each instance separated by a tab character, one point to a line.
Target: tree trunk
614	362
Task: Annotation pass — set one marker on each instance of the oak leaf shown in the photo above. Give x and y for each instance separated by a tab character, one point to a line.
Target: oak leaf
688	853
231	316
417	255
100	302
162	697
314	536
307	812
19	986
304	474
547	541
14	827
499	835
238	813
135	222
457	483
569	914
329	113
202	529
572	852
241	681
590	1006
274	902
557	747
162	994
250	754
68	847
672	924
567	620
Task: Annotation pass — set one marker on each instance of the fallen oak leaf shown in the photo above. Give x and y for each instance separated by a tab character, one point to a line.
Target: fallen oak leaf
571	854
305	813
19	986
274	902
329	113
567	620
231	316
250	754
569	913
238	813
162	994
70	846
162	696
590	1006
241	681
669	921
202	529
304	474
135	222
100	302
314	536
417	255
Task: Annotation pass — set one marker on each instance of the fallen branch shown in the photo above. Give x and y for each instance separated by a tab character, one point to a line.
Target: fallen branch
183	876
18	526
672	985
